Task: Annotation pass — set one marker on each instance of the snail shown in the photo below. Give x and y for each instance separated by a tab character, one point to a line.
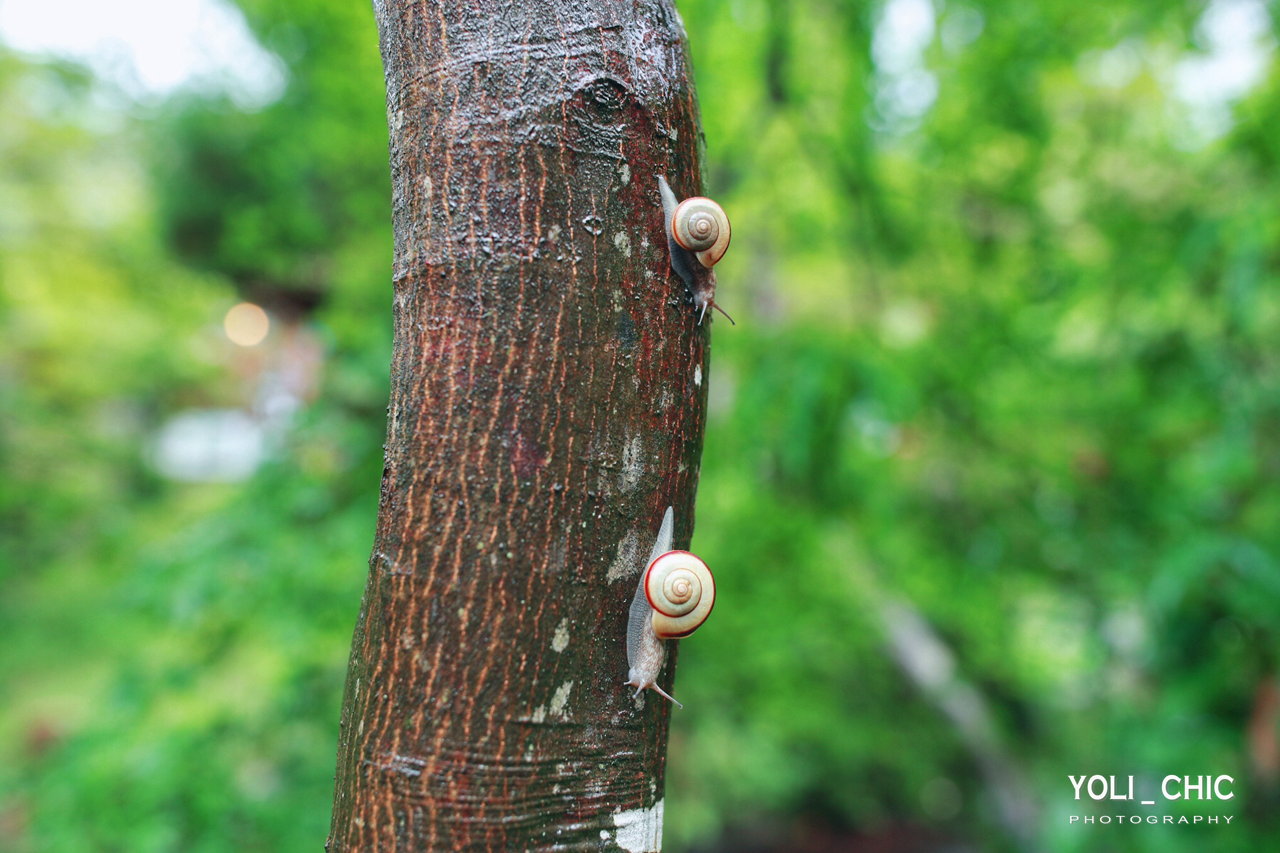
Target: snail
675	595
697	230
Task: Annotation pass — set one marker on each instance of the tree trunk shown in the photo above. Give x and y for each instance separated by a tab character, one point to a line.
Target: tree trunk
548	400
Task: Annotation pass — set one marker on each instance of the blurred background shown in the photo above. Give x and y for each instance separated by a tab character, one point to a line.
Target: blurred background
991	474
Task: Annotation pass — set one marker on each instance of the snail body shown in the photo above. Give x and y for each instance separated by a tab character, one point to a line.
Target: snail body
698	235
674	596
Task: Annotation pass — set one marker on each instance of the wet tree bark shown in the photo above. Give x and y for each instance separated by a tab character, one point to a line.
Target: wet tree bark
548	397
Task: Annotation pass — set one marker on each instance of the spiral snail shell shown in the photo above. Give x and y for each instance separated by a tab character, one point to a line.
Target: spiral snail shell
675	594
681	591
700	225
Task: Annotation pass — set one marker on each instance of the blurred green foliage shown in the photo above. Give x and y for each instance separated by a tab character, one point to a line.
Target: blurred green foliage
1006	363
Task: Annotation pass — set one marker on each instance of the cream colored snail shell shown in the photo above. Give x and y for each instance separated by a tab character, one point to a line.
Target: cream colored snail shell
701	226
681	591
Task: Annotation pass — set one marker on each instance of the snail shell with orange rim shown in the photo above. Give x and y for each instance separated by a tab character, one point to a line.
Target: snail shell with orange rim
680	589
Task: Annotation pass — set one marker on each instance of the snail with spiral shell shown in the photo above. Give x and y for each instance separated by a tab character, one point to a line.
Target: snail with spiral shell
675	595
698	235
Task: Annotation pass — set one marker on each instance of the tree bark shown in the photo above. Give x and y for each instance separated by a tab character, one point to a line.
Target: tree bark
548	400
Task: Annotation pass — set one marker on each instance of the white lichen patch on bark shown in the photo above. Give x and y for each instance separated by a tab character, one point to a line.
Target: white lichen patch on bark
560	640
697	375
623	242
640	830
560	700
624	564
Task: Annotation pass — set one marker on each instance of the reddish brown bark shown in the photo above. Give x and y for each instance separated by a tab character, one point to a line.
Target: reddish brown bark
548	403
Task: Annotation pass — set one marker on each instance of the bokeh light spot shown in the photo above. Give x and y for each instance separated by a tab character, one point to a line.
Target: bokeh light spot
246	324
